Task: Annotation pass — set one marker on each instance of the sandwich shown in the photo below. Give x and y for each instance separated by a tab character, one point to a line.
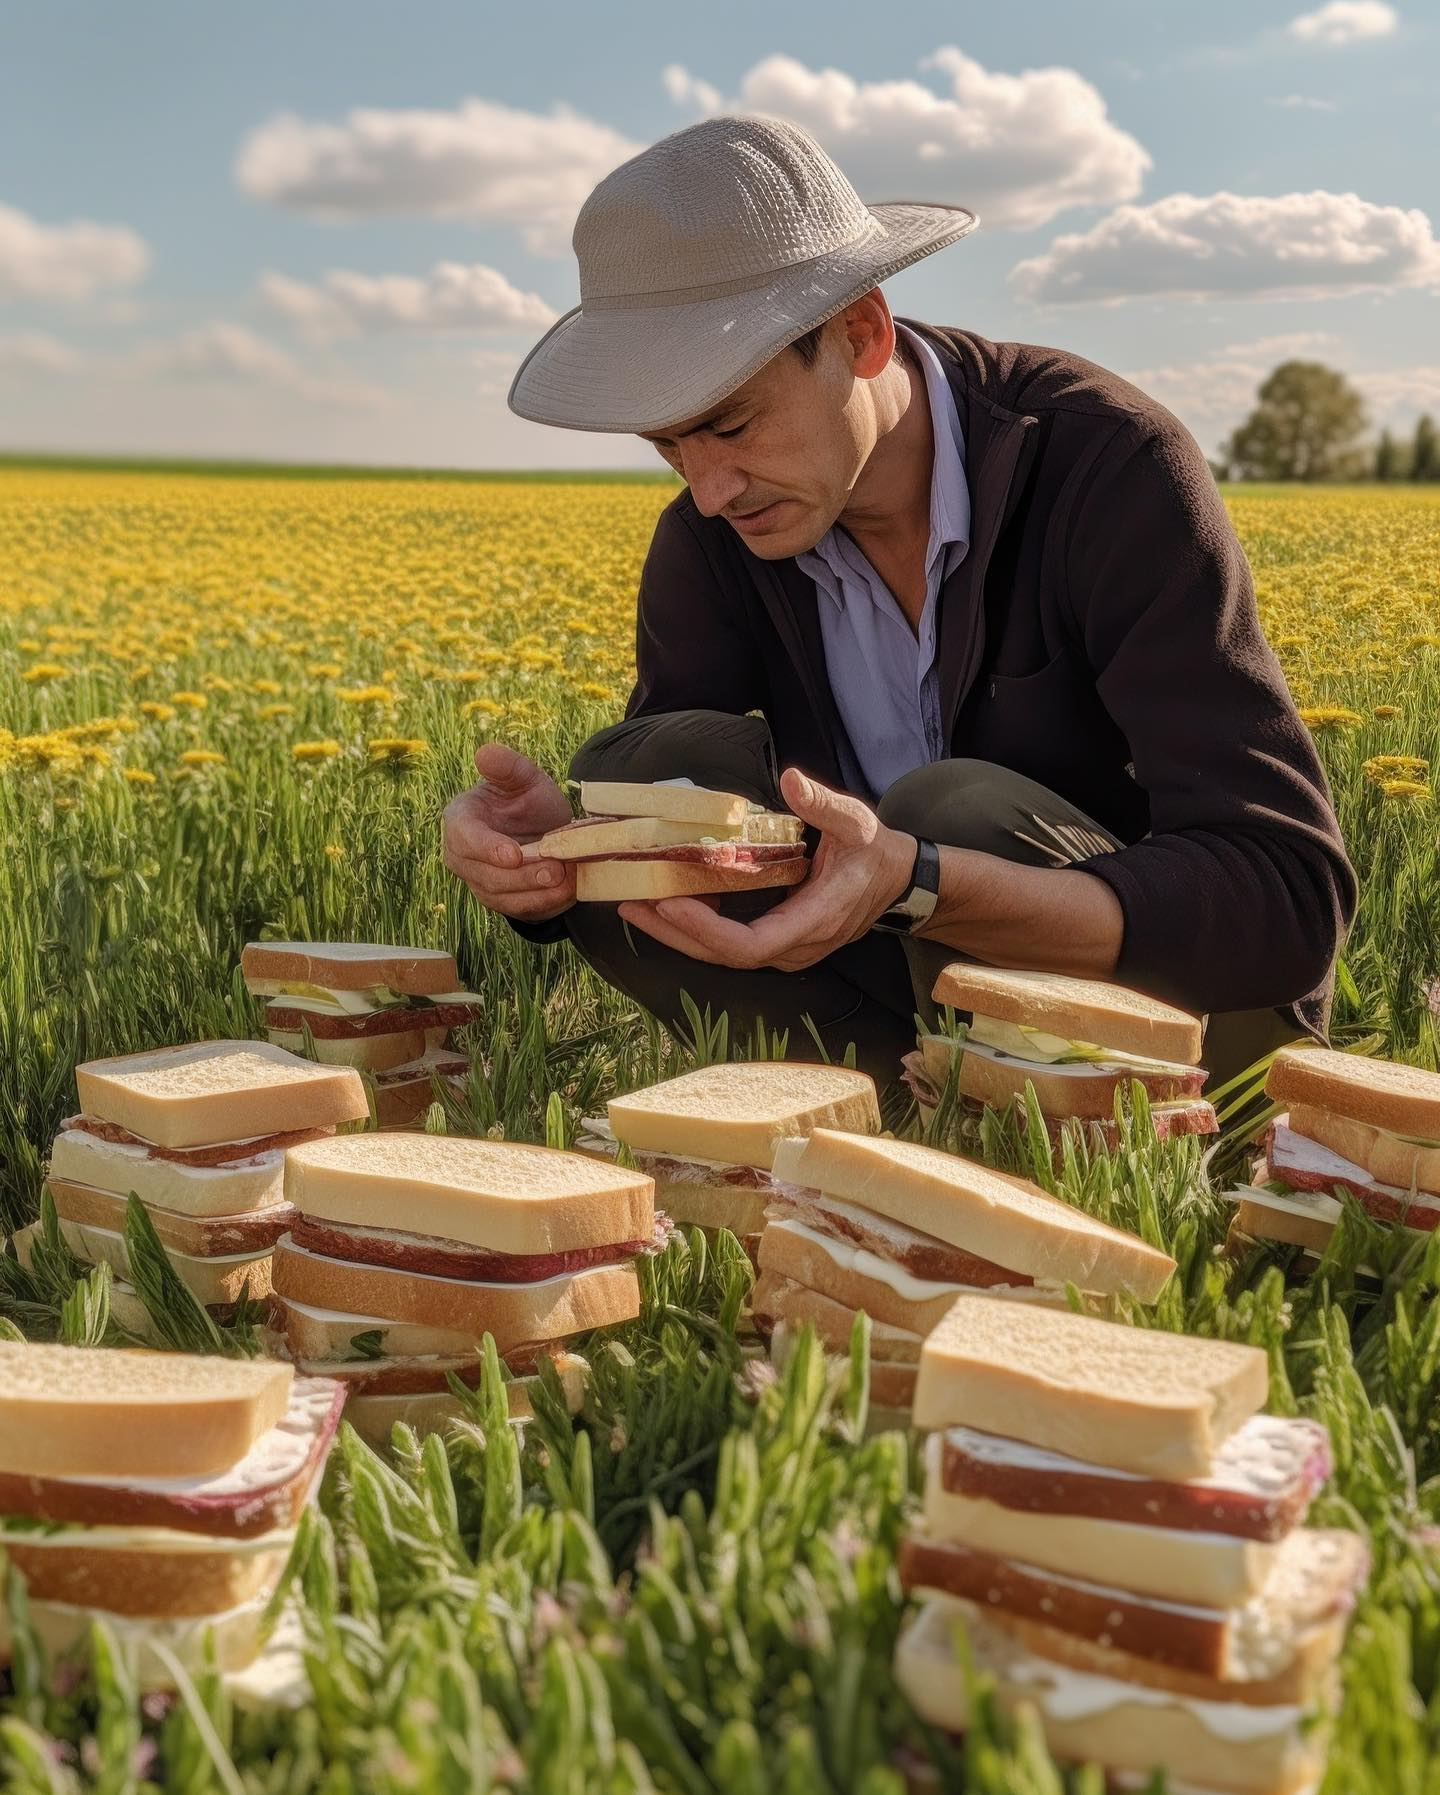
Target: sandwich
1118	1532
673	839
1078	1042
158	1492
530	1245
900	1231
1347	1124
198	1134
708	1138
388	1011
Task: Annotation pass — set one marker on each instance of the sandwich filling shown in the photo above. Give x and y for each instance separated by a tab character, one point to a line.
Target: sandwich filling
1293	1163
219	1153
434	1256
890	1249
292	1016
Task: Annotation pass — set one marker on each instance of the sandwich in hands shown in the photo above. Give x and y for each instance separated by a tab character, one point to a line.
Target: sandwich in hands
388	1011
708	1138
530	1245
900	1231
159	1492
199	1134
673	840
1077	1041
1119	1532
1348	1123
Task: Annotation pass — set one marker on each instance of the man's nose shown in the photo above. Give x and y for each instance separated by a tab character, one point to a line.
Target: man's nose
713	479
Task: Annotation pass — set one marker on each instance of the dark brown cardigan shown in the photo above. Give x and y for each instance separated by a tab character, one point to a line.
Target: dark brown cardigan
1100	636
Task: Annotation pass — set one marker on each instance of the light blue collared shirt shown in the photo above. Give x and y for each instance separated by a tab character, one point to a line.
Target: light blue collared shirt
883	674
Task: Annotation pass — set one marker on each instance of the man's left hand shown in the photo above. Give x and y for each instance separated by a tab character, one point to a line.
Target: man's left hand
860	868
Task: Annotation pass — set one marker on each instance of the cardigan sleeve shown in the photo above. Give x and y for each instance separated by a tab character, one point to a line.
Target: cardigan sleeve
1241	894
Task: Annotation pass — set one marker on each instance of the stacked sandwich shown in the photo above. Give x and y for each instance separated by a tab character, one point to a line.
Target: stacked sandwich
388	1011
708	1138
1077	1041
901	1231
199	1134
673	840
1117	1529
1369	1127
157	1491
527	1244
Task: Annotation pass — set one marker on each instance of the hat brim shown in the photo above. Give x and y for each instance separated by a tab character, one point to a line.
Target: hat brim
656	365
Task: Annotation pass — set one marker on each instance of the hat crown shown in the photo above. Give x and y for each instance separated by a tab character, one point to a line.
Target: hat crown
724	202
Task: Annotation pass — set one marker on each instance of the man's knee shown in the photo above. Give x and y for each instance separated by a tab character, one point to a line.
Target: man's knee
712	748
945	801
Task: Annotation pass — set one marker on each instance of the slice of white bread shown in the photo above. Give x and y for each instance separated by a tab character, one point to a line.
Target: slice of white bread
1298	1218
694	1204
620	835
235	1637
213	1091
70	1411
1216	1743
351	966
217	1281
1404	1165
1078	1009
1066	1090
647	881
367	1053
505	1196
436	1411
516	1314
861	1279
790	1307
204	1237
120	1167
147	1571
1383	1093
674	803
736	1112
1133	1398
1006	1220
318	1334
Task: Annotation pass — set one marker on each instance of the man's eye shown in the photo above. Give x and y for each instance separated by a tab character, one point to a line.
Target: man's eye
727	434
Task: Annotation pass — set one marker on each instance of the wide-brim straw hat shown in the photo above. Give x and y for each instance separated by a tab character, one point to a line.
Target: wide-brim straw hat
700	259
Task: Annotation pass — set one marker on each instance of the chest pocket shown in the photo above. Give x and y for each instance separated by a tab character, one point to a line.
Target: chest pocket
1048	724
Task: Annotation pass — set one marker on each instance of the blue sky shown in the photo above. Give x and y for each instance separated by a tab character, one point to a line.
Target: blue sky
325	230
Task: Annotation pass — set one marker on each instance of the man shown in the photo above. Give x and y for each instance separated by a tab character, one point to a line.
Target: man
987	604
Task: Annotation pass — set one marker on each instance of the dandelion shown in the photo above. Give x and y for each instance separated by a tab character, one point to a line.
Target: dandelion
29	645
156	711
269	713
201	757
480	707
1388	710
1426	641
591	688
1395	766
325	750
323	670
192	701
365	695
1404	791
266	688
1329	716
45	672
216	682
397	750
333	851
137	776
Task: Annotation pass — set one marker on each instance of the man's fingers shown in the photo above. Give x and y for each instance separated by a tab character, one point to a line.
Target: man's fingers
506	768
649	921
833	813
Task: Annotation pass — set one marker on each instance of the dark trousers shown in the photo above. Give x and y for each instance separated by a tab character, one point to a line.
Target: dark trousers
871	991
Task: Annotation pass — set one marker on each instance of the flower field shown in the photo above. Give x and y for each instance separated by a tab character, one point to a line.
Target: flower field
233	704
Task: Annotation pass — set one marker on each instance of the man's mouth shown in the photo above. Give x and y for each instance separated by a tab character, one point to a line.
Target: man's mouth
757	520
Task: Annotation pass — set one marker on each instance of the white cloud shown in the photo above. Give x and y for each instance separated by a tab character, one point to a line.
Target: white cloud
35	352
1345	22
1017	148
1302	102
496	368
452	296
1287	346
1399	395
226	352
482	162
1233	246
66	261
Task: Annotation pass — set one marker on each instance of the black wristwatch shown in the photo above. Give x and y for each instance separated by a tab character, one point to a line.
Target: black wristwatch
916	904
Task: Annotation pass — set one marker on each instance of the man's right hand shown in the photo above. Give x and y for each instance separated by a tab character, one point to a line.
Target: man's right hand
484	829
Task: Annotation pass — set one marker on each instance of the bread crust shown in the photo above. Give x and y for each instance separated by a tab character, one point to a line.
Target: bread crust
1383	1093
647	881
1062	1094
736	1113
1079	1009
201	1237
1389	1161
804	1261
514	1313
777	1299
216	1282
154	1583
414	972
83	1158
311	1336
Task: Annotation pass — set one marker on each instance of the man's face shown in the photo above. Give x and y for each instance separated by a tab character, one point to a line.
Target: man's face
779	457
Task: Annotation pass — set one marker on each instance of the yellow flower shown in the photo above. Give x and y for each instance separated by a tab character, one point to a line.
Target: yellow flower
138	776
28	645
216	682
201	757
591	688
1427	641
269	712
1329	716
1388	710
152	707
1383	767
366	695
484	707
323	670
266	688
194	701
334	851
315	750
397	750
1405	790
45	671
